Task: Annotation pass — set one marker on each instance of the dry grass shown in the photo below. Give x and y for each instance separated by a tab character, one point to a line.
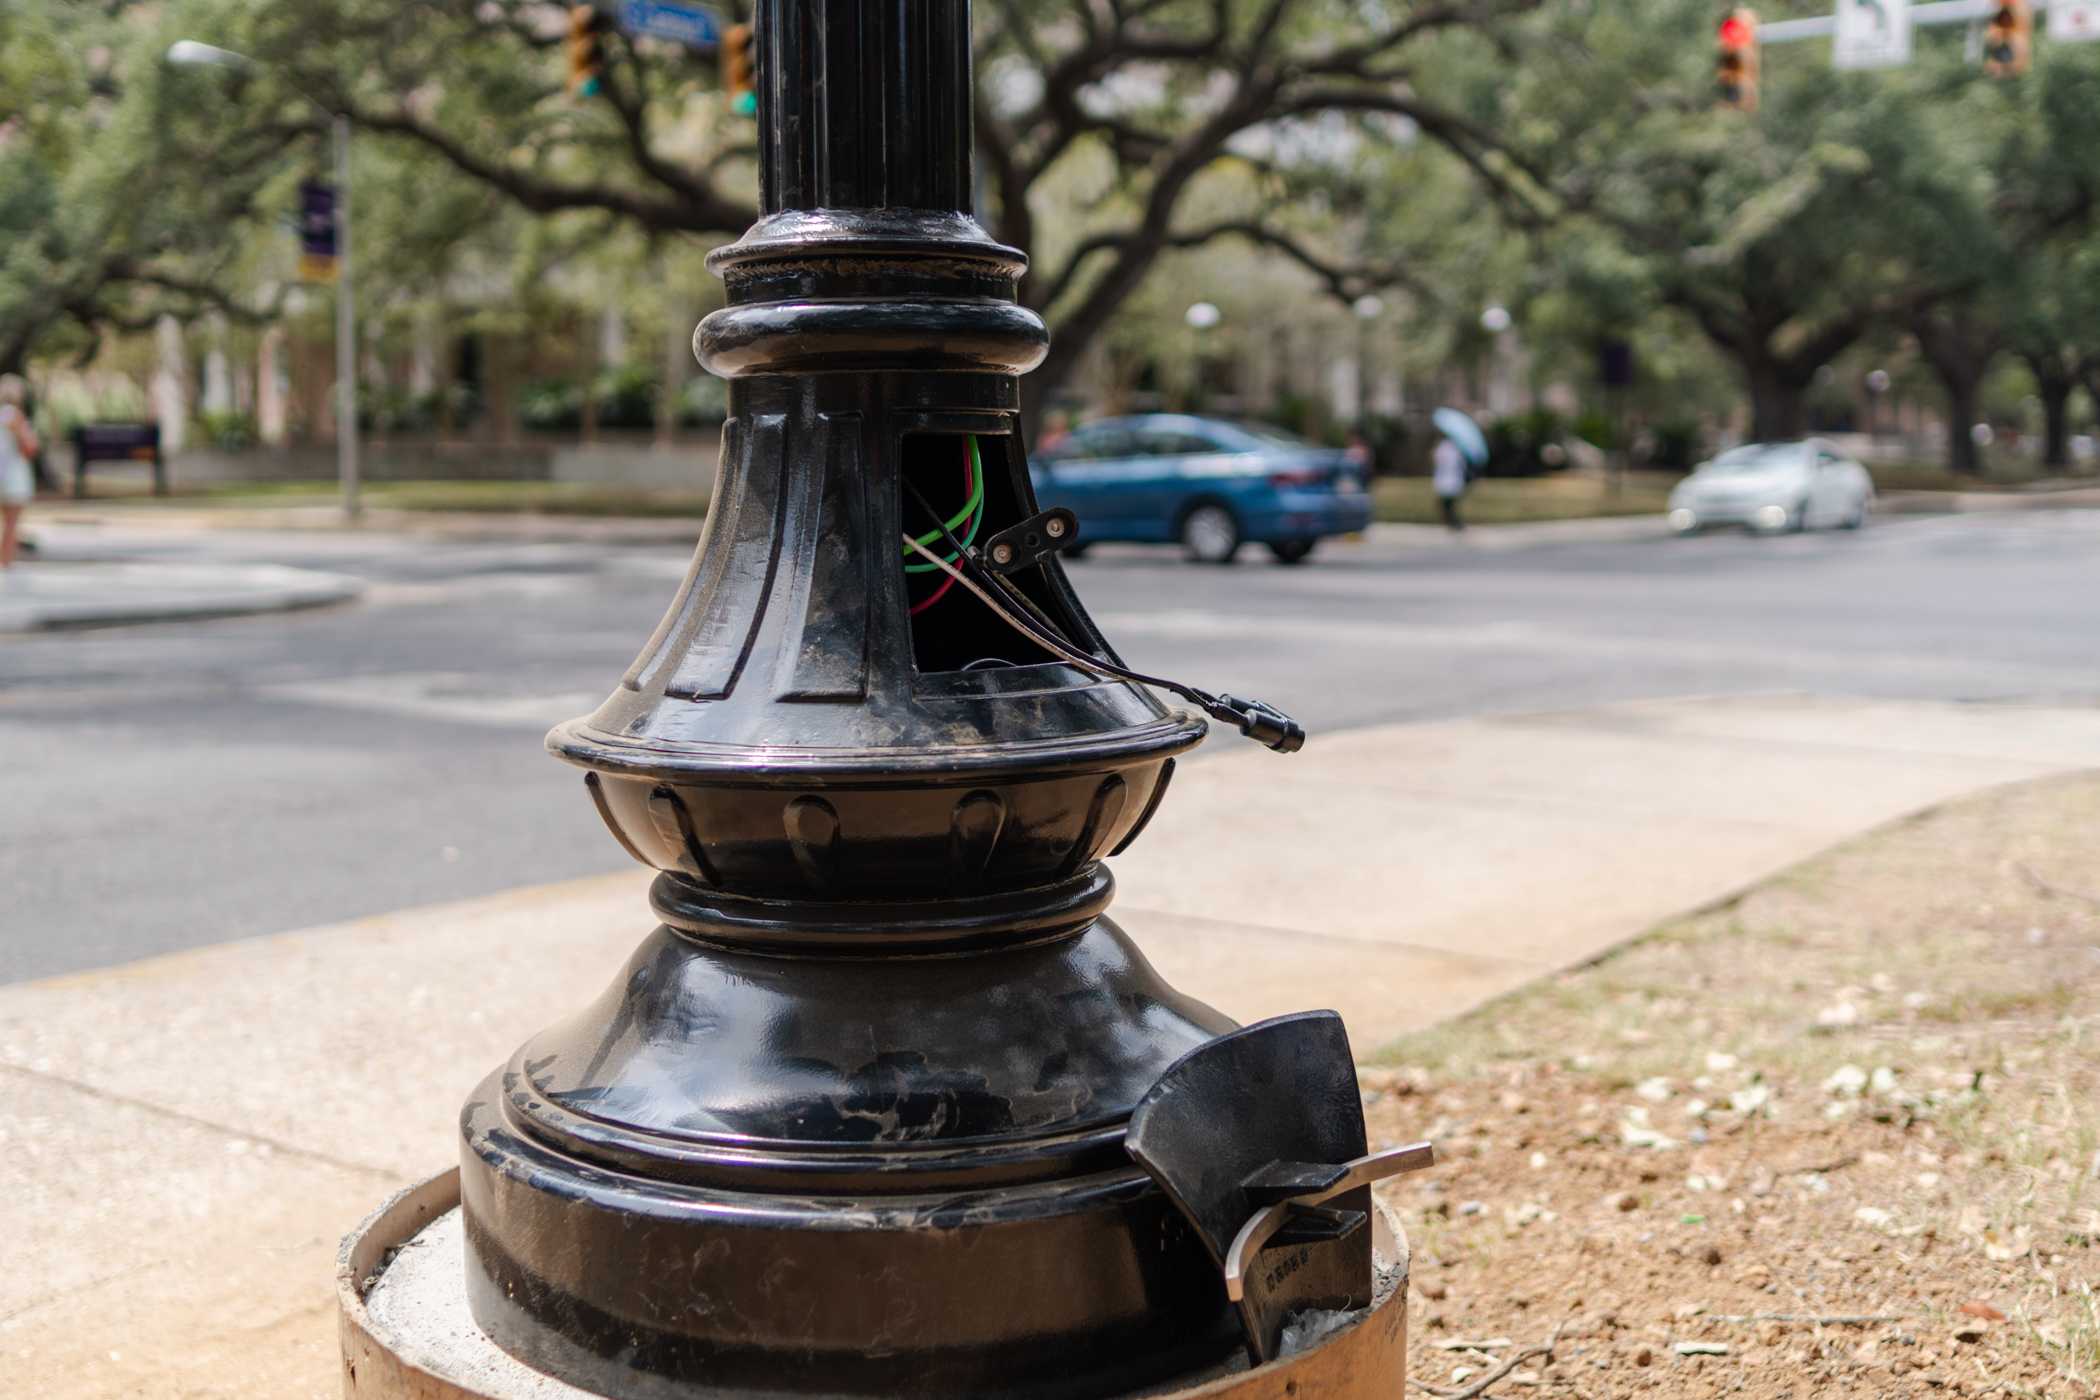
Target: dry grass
1868	1089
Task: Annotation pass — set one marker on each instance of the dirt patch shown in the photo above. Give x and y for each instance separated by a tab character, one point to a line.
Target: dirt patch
1840	1137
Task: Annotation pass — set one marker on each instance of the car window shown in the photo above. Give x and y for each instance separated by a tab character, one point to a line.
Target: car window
1173	442
1095	444
1756	456
1275	437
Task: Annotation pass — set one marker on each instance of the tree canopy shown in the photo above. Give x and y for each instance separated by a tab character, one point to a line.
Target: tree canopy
1567	160
124	191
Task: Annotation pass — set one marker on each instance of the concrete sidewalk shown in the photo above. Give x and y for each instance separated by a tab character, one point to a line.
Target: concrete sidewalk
104	592
183	1140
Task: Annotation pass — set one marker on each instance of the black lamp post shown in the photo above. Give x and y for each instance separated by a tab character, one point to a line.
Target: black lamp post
853	1119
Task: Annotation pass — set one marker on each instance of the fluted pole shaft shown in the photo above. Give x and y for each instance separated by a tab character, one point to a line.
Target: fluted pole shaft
864	105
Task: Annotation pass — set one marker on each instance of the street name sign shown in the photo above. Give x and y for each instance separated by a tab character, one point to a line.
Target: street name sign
692	25
2074	21
1871	34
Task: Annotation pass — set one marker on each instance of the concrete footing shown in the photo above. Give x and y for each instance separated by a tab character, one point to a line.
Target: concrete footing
407	1334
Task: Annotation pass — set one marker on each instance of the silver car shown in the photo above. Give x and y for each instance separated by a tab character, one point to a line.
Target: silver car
1774	486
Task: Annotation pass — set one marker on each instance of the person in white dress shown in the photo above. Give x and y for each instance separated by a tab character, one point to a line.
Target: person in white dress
18	448
1448	476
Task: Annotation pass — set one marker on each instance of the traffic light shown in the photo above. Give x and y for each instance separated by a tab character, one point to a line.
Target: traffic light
740	69
2008	39
586	49
1735	65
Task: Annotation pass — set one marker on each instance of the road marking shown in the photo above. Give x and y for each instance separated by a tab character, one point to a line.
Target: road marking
1514	635
459	696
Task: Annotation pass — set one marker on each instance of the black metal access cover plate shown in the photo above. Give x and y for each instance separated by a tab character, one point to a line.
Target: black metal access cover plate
1257	1105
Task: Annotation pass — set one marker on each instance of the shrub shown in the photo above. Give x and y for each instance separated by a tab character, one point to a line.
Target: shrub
626	395
228	432
551	406
1526	444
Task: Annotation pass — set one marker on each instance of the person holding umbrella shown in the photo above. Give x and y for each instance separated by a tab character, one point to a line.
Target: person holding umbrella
1460	446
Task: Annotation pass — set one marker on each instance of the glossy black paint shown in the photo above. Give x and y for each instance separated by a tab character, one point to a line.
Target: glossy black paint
850	1122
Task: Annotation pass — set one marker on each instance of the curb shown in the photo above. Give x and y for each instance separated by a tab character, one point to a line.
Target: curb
57	596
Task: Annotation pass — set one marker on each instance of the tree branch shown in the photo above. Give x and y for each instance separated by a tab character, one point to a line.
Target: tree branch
700	211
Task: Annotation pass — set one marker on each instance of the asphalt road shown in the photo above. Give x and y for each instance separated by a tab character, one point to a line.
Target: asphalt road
164	787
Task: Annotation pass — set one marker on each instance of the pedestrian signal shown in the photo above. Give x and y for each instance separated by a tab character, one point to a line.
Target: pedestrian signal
1736	62
740	69
586	51
2008	39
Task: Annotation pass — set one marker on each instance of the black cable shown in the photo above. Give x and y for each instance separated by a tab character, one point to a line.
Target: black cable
1261	722
1042	630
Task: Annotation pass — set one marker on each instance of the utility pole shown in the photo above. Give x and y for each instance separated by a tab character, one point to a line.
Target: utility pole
189	53
346	463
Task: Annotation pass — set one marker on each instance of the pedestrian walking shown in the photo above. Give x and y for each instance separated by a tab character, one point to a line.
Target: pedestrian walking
1448	475
18	448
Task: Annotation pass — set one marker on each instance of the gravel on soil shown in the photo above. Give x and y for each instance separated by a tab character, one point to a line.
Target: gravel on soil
1839	1136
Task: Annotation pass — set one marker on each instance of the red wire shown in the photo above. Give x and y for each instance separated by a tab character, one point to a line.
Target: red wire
947	583
969	490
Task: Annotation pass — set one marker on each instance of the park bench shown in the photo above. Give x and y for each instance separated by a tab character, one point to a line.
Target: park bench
118	442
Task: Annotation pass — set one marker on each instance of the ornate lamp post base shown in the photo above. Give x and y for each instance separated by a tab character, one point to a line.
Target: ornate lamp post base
407	1333
885	1105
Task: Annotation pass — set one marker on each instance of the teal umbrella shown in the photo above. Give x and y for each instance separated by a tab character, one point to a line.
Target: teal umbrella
1463	432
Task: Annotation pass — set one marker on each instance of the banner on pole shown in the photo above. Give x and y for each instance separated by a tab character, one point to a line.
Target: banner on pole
317	231
1872	34
2069	21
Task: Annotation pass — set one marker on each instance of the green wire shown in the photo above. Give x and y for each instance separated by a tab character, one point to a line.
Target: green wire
972	511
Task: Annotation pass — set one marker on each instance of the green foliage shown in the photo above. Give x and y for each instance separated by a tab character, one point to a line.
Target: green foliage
125	188
69	405
1532	443
1562	160
706	400
551	405
1676	444
627	395
228	432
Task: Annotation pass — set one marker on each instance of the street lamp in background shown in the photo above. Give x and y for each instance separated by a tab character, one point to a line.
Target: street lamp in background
1877	387
1201	316
1495	320
189	53
1367	308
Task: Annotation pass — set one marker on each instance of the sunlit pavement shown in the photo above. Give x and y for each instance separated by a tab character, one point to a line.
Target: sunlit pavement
1502	800
177	785
189	1135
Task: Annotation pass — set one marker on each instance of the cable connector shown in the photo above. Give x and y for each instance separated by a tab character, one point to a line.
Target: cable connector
1264	724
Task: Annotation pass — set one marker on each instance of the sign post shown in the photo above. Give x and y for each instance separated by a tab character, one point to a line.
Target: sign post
345	331
1871	34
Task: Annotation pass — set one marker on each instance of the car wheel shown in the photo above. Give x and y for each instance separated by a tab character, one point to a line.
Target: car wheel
1858	519
1797	522
1211	534
1292	551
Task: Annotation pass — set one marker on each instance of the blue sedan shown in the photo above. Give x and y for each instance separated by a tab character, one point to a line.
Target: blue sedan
1209	484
